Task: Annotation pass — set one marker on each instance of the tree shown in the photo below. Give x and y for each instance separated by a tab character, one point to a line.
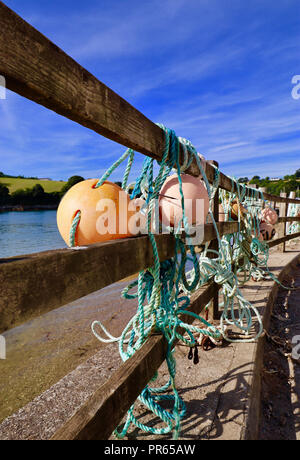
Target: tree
4	195
20	196
291	186
297	174
38	191
71	182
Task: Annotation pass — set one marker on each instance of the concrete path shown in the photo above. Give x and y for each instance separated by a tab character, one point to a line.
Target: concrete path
218	392
221	401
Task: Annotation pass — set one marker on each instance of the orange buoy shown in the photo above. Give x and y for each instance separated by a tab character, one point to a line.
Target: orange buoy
196	201
269	215
104	213
267	231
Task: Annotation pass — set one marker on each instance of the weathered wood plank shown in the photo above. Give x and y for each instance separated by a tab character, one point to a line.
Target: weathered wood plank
99	416
273	243
288	219
280	199
215	246
35	284
282	226
37	69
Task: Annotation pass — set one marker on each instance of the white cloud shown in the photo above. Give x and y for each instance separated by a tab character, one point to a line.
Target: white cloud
218	74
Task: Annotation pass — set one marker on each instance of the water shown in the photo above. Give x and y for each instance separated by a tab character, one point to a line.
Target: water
28	232
43	350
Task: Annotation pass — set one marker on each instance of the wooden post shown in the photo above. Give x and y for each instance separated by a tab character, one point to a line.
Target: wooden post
288	224
215	246
263	190
282	226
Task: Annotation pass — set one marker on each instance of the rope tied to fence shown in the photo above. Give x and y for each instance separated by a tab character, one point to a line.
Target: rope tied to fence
163	291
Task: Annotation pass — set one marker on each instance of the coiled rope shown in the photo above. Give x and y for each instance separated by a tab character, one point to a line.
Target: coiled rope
163	291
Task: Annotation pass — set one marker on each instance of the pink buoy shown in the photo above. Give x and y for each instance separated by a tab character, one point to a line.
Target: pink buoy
267	230
196	201
269	215
258	236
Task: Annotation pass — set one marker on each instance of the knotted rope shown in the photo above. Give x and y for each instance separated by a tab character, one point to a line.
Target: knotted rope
163	291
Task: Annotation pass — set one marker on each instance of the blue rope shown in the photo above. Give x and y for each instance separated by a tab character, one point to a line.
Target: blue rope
163	291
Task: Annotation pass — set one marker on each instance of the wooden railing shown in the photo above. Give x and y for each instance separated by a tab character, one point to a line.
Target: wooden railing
34	284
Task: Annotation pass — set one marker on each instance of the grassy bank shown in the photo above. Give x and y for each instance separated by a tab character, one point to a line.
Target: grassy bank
14	184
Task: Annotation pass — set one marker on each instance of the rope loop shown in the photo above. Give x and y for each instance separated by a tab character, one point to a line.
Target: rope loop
163	291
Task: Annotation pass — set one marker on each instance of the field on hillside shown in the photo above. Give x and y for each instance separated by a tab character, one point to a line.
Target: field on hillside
14	184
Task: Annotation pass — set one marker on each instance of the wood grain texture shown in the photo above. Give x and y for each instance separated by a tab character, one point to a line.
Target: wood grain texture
66	275
38	70
215	246
283	208
105	409
288	219
35	284
284	239
279	199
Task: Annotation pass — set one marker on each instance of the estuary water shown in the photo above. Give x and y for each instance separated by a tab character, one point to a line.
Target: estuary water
28	232
43	350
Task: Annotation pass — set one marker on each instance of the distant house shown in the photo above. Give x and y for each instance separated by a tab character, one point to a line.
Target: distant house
274	179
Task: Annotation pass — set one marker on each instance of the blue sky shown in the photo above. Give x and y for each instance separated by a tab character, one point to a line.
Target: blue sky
218	72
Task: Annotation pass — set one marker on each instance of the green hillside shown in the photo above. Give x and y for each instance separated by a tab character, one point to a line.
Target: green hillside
15	183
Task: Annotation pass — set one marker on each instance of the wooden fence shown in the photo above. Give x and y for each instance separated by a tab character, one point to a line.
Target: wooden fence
33	284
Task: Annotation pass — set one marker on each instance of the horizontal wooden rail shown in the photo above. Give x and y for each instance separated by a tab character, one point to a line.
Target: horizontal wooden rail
31	285
37	69
35	284
278	241
288	219
280	199
105	409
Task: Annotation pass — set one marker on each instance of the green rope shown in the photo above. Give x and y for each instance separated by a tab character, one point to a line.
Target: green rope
74	228
163	291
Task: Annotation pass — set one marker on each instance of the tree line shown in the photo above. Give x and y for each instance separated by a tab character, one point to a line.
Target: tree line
289	183
36	195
